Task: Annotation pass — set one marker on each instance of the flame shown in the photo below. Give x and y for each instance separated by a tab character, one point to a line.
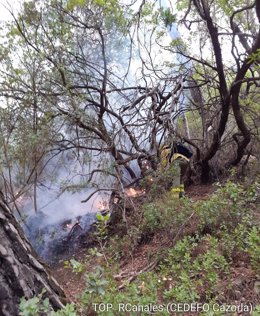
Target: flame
20	198
102	206
146	165
131	192
68	226
116	200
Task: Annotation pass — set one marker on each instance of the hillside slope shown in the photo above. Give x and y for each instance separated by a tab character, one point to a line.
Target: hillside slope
202	248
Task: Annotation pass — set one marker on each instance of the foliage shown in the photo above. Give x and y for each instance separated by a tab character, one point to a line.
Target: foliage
159	214
203	272
93	252
192	269
125	58
71	4
159	181
167	17
101	227
253	247
76	266
256	311
96	282
31	307
254	57
142	292
225	208
39	306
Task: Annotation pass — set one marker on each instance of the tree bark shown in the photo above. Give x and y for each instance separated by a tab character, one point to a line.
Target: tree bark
203	9
205	171
235	90
21	273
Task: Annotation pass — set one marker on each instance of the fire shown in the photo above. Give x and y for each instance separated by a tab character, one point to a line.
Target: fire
68	226
131	192
20	198
116	200
146	165
103	206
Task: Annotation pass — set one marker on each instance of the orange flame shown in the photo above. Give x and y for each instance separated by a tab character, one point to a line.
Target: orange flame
131	192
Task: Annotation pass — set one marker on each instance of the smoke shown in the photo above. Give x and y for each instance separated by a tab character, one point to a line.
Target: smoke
59	240
61	220
63	184
51	230
67	205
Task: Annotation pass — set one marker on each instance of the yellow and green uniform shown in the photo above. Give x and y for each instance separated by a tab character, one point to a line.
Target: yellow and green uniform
180	164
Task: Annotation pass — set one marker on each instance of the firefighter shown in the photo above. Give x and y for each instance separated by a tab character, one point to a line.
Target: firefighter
178	156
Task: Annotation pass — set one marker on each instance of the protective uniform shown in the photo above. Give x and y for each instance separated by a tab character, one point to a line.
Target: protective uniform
169	157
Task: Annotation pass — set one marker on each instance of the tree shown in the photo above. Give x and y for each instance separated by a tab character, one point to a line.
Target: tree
87	93
225	73
82	91
21	273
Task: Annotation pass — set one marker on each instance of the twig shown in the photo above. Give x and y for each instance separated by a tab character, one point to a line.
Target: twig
93	193
150	266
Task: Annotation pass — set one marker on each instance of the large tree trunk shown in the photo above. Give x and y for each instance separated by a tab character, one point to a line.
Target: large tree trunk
21	273
205	171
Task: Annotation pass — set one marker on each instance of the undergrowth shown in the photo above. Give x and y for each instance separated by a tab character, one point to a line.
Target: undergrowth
206	243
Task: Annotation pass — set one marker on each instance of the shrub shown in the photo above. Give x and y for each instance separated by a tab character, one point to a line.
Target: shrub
253	248
39	306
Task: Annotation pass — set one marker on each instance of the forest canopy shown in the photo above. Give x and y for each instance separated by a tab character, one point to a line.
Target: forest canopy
107	83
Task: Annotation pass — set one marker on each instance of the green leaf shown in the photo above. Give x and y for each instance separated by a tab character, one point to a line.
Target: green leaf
106	217
74	3
99	217
46	305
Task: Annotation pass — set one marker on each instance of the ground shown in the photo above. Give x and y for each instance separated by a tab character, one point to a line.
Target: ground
241	285
74	284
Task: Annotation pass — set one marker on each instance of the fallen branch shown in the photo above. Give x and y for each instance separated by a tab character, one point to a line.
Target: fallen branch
73	229
149	267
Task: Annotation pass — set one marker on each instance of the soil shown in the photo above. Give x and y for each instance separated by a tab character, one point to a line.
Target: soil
199	192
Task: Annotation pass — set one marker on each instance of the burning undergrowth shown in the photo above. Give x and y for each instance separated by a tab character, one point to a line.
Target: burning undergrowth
56	235
56	241
62	224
